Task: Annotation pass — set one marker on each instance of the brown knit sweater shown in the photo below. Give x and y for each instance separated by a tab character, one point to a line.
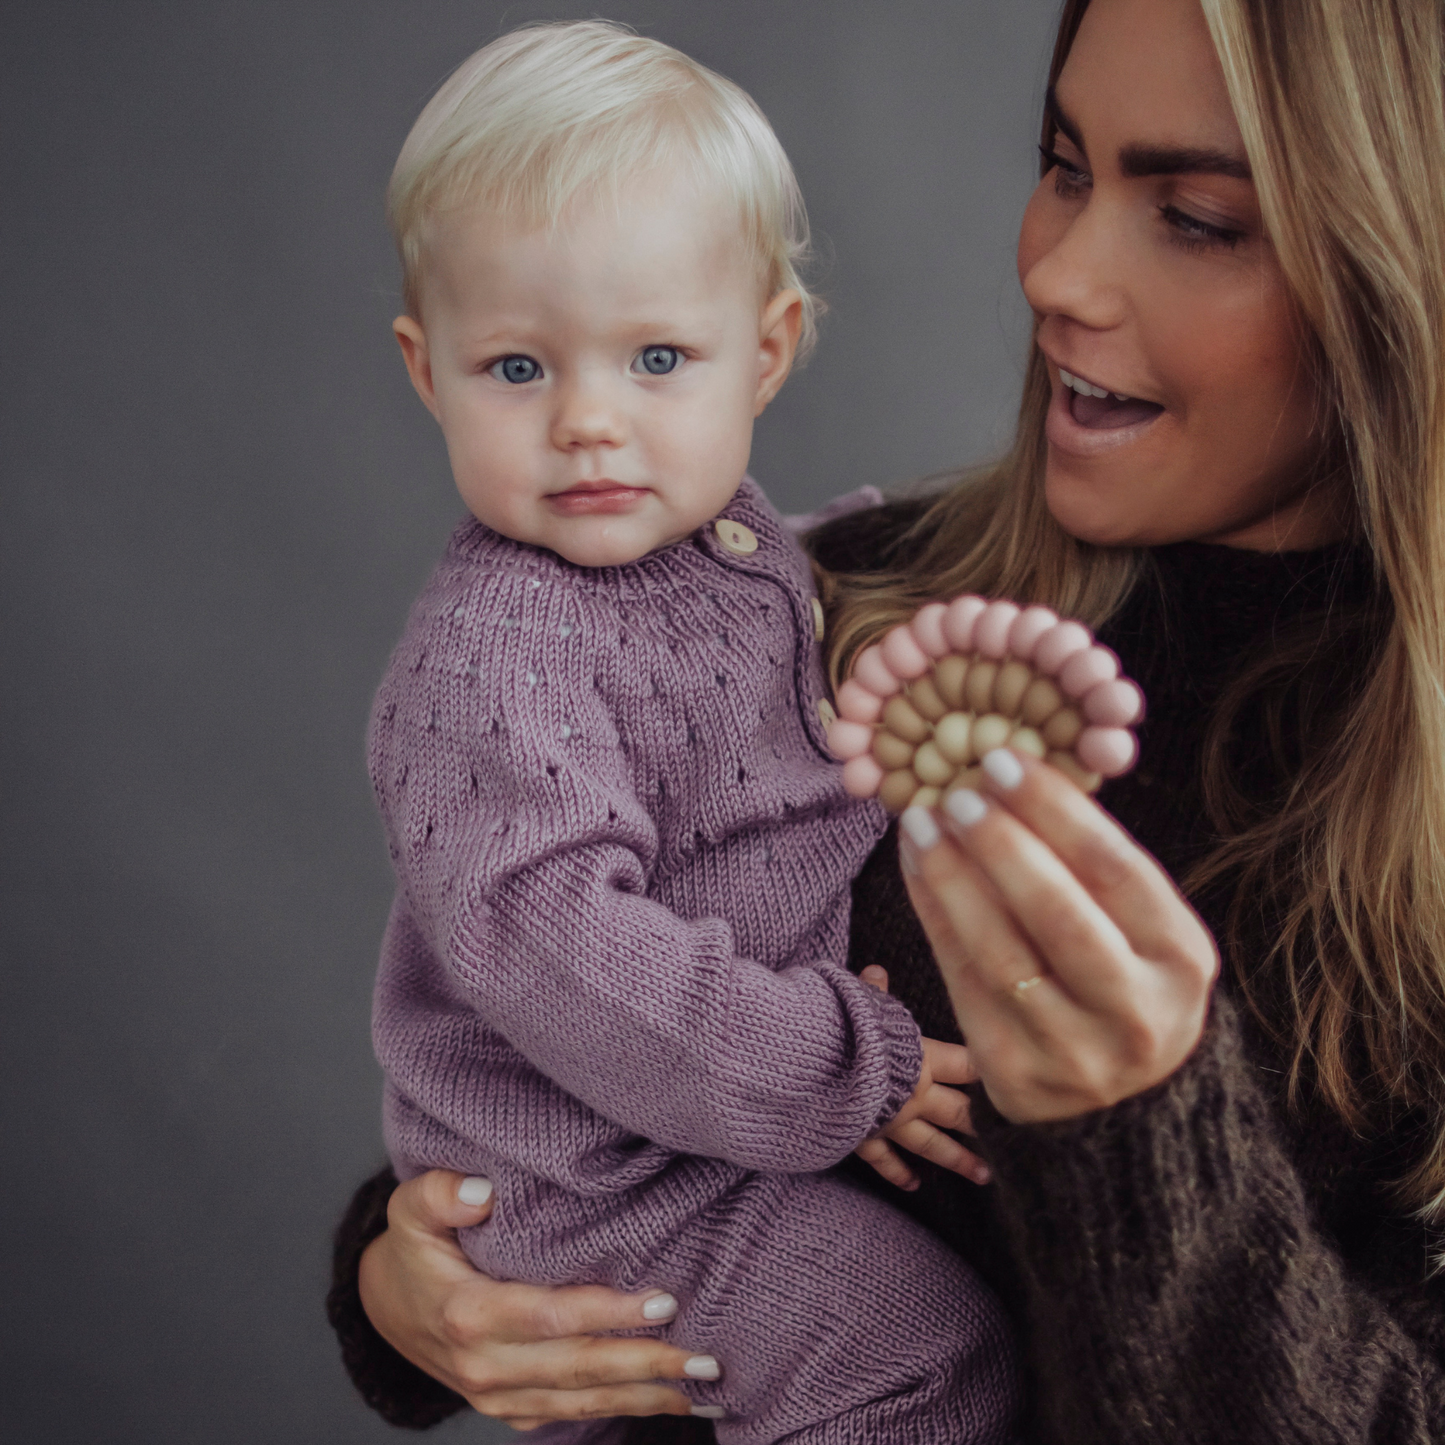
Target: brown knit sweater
1200	1263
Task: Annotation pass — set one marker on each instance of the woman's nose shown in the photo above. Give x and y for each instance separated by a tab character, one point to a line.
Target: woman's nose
588	416
1078	272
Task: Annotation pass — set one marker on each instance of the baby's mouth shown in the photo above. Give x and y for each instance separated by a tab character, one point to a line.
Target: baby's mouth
1101	410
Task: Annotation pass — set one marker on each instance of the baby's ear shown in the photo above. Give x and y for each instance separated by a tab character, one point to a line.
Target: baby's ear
778	330
412	340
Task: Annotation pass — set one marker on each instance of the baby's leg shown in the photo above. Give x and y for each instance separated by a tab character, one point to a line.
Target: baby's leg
837	1320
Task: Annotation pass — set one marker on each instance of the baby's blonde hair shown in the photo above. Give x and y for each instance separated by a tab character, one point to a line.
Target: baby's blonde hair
551	113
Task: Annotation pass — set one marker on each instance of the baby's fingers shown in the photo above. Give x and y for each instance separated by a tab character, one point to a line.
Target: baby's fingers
929	1143
947	1108
885	1160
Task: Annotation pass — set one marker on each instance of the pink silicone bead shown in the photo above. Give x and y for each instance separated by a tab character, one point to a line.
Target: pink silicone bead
1029	626
903	654
849	739
990	633
928	630
1110	751
958	622
874	674
1088	669
1059	644
857	704
1117	703
862	776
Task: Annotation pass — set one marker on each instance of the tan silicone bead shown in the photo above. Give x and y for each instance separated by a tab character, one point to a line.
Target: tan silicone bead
1010	685
925	798
1075	771
891	751
1042	700
1062	729
951	734
924	696
968	778
931	767
949	677
901	717
1026	740
896	791
978	689
989	732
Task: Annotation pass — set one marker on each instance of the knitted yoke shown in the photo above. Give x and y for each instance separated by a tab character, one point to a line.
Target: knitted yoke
624	861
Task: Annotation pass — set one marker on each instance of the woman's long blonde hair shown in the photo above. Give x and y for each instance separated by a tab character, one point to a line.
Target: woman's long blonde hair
1340	106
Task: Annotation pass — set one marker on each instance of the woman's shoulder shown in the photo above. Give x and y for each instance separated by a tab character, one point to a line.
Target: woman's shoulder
869	539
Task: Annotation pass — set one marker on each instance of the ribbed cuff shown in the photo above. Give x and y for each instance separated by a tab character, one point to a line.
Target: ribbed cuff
905	1056
400	1392
1135	1178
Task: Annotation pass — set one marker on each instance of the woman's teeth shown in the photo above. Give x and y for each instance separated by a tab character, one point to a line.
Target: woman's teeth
1084	388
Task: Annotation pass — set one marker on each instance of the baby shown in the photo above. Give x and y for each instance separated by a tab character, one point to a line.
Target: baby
613	980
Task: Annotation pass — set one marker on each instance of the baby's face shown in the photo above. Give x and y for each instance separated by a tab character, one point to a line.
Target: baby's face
597	382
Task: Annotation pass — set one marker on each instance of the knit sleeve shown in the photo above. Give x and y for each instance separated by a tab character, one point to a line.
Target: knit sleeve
524	855
1203	1306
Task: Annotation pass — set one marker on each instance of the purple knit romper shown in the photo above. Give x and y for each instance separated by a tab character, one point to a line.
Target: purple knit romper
613	977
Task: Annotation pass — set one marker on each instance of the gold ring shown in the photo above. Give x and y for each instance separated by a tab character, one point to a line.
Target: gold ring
1025	984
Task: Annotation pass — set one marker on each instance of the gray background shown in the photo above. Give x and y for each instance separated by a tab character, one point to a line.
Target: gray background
219	498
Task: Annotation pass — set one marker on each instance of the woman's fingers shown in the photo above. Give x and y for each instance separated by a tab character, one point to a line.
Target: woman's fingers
526	1409
438	1202
885	1160
1131	888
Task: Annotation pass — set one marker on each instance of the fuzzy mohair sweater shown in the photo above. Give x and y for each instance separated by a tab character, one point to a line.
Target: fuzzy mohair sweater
1205	1263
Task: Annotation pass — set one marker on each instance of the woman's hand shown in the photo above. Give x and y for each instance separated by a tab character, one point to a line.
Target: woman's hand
1079	974
526	1354
935	1105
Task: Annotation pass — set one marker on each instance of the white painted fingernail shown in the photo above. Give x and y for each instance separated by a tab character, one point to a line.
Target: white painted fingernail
1003	768
703	1367
474	1191
965	806
709	1412
922	831
907	857
659	1307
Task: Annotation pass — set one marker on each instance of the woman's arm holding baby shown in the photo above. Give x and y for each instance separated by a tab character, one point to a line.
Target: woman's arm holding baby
425	1335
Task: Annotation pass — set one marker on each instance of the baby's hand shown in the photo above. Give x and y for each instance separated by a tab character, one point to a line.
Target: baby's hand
935	1105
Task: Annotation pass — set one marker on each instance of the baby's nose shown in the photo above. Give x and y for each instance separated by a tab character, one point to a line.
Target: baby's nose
588	417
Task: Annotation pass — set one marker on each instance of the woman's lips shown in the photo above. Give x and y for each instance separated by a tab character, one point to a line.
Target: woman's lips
592	498
1087	425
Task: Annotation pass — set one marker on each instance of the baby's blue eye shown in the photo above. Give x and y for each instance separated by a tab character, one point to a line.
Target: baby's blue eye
659	360
516	369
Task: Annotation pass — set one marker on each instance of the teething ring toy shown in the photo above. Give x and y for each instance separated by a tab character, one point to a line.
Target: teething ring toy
923	706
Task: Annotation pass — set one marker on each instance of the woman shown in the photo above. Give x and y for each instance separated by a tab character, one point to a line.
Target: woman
1212	1214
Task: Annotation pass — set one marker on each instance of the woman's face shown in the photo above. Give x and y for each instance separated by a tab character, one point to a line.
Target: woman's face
1143	258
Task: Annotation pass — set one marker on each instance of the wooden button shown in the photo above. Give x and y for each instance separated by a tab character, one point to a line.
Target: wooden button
817	619
735	537
826	715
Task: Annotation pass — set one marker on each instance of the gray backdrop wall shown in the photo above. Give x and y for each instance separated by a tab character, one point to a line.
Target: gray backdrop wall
219	498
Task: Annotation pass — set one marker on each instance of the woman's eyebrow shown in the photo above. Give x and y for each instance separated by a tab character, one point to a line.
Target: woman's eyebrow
1154	160
1147	160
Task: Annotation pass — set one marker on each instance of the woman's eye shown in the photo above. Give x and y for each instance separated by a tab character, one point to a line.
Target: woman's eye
1069	180
657	360
516	369
1196	235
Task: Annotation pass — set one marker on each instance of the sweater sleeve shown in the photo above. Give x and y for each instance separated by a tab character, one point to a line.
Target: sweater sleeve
1203	1305
525	857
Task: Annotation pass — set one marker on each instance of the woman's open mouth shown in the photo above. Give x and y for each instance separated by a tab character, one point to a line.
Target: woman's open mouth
1102	410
